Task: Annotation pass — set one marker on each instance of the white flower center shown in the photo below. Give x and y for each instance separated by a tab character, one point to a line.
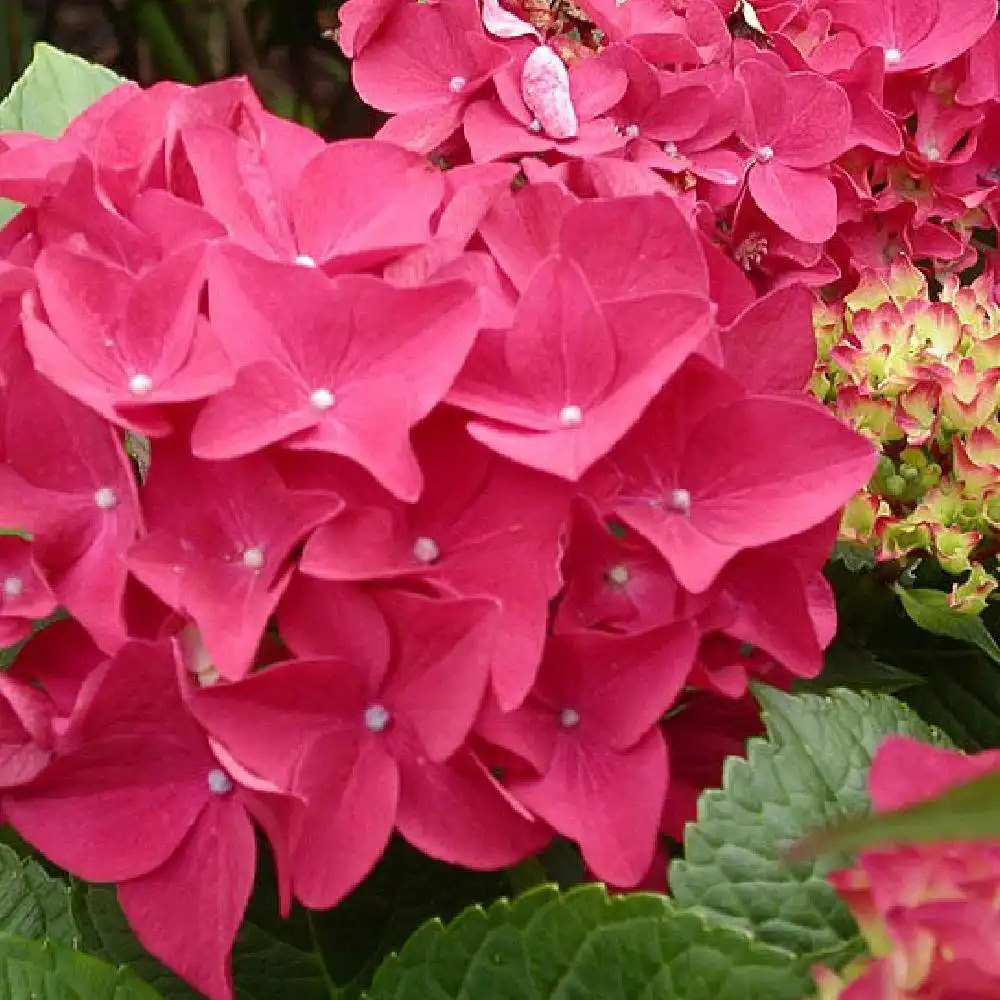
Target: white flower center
571	416
535	126
932	153
139	384
106	498
765	154
426	550
377	717
670	148
322	399
457	84
253	557
304	260
680	500
618	574
13	586
893	56
631	131
568	718
219	783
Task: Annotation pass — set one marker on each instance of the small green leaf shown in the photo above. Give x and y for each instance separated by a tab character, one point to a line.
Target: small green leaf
548	945
33	904
53	90
969	811
853	555
40	970
811	768
931	611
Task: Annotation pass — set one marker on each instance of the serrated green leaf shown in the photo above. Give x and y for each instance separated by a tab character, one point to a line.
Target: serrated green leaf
53	90
931	611
40	970
33	904
264	966
583	944
811	768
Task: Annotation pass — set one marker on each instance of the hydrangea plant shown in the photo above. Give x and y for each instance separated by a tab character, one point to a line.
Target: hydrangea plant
416	573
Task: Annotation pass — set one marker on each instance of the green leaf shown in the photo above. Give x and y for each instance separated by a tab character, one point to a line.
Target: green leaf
931	611
40	970
405	890
969	811
811	768
264	967
855	557
959	692
849	664
33	904
54	89
548	945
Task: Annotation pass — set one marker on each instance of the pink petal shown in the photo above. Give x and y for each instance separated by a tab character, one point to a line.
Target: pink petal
906	770
801	202
608	802
523	227
771	347
352	808
298	703
633	247
924	32
619	685
362	201
654	336
458	813
131	778
224	561
187	912
441	659
322	618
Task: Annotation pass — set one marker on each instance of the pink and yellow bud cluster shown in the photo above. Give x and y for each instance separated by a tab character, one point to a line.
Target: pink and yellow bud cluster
919	375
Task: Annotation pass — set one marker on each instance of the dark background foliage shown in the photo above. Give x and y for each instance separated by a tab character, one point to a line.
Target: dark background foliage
286	48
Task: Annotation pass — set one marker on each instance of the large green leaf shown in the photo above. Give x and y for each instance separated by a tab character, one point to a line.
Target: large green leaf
40	970
811	769
54	89
548	945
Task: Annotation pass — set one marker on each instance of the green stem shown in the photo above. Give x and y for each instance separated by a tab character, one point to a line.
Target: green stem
167	50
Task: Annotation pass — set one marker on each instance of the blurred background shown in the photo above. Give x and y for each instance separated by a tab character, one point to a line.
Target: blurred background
285	47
